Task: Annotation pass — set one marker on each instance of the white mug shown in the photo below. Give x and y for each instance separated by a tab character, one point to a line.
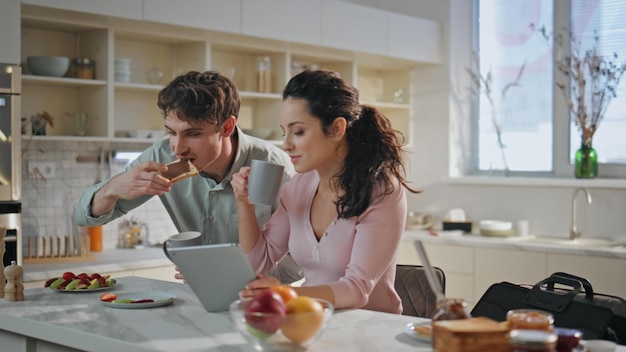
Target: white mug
183	239
264	182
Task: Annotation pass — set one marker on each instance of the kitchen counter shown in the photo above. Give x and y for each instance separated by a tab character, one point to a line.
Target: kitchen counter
54	321
517	243
107	261
117	260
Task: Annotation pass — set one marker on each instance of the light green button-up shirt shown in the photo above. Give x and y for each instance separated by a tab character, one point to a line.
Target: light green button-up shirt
196	203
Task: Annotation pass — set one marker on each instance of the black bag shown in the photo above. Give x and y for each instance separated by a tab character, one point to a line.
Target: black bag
569	298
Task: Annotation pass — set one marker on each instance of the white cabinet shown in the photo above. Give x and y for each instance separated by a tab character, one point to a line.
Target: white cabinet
291	20
354	27
605	274
470	270
9	31
219	15
456	262
413	38
117	8
494	265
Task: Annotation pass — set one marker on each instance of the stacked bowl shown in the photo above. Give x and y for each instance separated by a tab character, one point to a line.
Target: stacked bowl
122	70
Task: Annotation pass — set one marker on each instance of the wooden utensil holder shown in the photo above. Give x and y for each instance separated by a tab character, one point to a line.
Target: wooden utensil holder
48	256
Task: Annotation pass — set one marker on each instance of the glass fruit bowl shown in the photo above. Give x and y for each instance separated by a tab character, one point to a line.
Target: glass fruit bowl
275	332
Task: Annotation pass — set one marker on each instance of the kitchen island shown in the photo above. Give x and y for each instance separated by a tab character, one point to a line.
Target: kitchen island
62	321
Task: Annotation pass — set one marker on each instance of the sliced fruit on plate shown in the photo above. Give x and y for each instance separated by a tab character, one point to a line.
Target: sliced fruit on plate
81	282
108	297
57	282
122	301
144	300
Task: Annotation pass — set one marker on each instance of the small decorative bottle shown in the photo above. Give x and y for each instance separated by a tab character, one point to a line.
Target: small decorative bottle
13	290
586	162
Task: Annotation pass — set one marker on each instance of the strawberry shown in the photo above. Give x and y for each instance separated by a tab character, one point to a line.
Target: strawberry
108	297
145	300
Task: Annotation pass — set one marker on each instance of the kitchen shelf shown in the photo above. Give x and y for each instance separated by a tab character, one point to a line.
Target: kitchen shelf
388	106
26	138
139	87
600	183
61	81
114	106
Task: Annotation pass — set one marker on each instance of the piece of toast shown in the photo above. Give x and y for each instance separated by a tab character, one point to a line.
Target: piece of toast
179	169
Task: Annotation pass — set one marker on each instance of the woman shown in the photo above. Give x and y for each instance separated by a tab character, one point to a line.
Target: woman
342	216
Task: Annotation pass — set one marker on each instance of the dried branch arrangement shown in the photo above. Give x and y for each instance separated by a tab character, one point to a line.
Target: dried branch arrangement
588	81
484	83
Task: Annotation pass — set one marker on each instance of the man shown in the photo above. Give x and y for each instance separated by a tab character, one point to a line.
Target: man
201	111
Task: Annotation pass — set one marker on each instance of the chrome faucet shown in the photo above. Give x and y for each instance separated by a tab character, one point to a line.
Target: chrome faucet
573	230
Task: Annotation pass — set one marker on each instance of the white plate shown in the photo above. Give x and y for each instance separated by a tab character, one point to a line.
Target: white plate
408	330
160	299
85	290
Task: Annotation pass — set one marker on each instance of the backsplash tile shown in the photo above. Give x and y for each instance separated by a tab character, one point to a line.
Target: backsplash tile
48	205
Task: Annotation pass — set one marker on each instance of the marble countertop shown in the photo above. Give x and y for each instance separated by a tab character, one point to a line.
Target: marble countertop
79	321
457	238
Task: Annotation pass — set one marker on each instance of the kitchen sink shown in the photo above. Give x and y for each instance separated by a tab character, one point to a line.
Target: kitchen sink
578	242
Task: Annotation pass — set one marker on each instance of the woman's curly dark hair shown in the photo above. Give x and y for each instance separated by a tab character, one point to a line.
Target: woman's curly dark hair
200	96
375	149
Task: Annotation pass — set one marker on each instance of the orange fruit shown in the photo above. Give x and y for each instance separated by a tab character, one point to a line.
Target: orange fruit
285	291
305	318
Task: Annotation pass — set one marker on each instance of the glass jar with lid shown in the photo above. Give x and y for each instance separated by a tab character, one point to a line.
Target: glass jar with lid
82	68
450	309
532	340
264	74
532	319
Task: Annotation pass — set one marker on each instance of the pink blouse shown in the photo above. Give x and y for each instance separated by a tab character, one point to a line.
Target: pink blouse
356	257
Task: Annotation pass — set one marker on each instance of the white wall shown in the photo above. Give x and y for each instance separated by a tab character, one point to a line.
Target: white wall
9	31
442	121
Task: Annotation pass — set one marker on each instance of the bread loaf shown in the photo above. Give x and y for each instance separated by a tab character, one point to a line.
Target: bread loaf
179	169
477	334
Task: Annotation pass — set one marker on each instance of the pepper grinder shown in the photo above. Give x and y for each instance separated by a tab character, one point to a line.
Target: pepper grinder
13	290
2	249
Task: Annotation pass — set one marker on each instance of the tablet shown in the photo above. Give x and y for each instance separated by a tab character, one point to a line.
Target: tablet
216	272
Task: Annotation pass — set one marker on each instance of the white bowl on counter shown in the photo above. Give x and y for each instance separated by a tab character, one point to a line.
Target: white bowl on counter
495	228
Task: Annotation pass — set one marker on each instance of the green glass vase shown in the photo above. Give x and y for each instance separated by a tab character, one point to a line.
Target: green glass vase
586	162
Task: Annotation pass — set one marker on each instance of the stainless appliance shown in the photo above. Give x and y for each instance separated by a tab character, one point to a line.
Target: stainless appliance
10	160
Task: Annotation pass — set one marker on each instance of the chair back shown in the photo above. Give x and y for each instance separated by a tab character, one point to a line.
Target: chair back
413	288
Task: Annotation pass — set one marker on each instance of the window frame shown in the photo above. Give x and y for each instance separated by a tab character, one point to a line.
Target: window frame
561	165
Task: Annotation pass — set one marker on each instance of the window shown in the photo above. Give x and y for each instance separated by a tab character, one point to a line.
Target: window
527	130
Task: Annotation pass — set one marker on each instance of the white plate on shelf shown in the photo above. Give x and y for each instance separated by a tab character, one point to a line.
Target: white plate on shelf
160	299
409	329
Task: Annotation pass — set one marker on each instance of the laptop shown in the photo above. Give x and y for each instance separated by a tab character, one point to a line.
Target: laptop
216	273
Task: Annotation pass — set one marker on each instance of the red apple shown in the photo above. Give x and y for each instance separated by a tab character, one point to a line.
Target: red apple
266	311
